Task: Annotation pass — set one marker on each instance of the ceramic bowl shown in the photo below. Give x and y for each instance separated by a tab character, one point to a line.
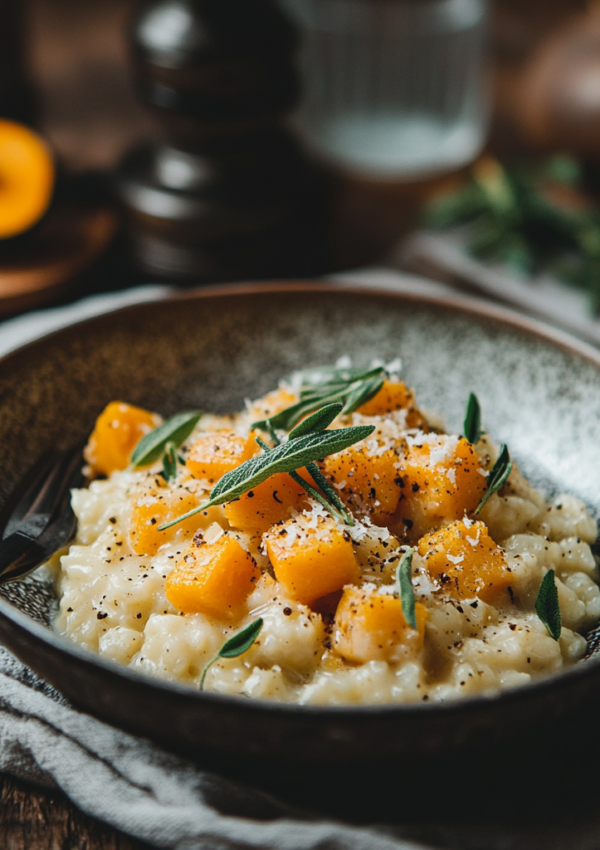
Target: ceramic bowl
540	393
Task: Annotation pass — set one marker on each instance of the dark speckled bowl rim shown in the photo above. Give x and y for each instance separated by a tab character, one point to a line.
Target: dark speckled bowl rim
467	306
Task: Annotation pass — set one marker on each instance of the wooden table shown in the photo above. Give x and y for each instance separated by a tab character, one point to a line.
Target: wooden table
36	820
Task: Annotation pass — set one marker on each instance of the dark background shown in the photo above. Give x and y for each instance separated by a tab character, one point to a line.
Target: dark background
79	63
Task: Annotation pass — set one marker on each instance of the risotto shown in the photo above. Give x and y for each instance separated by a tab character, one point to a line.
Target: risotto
337	547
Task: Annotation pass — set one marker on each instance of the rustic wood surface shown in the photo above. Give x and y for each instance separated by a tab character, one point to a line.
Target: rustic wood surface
36	820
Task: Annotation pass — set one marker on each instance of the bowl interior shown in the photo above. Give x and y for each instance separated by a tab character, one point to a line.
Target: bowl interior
214	349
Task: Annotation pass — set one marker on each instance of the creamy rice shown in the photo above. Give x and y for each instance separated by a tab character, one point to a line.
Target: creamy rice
113	601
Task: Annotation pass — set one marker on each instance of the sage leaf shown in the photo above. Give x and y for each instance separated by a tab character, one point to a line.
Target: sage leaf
329	490
287	419
237	645
332	377
318	421
547	606
472	425
318	497
405	588
170	462
332	501
498	476
174	430
359	387
364	392
286	457
242	641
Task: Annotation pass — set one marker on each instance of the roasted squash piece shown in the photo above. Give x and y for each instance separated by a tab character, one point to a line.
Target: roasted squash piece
367	483
466	562
394	395
156	505
117	431
311	562
370	626
441	480
268	503
213	578
212	455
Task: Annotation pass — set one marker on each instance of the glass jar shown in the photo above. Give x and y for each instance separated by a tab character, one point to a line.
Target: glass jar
395	89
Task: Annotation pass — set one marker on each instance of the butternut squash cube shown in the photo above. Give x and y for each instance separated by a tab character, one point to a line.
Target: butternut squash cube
441	480
155	506
394	395
268	503
370	626
466	562
311	562
213	578
117	431
366	483
212	455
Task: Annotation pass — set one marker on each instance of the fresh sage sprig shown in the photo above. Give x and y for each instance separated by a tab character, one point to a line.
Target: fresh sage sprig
319	376
354	386
331	501
314	494
547	606
286	457
316	422
174	430
340	516
237	645
363	393
170	462
529	217
327	488
286	419
498	476
405	588
353	391
472	425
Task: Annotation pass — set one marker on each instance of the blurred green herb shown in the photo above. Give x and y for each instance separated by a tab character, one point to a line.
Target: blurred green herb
320	387
170	462
405	588
547	606
175	430
498	476
530	218
237	645
472	425
314	424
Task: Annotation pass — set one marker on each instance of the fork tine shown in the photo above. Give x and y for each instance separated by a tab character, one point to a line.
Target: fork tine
73	478
47	523
44	489
57	485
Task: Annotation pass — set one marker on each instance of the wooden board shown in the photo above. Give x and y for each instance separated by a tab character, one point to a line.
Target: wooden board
67	243
33	820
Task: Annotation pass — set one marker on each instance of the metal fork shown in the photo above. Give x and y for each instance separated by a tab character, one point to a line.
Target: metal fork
39	519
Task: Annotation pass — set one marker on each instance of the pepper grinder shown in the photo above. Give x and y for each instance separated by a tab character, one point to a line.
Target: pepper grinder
226	193
17	97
